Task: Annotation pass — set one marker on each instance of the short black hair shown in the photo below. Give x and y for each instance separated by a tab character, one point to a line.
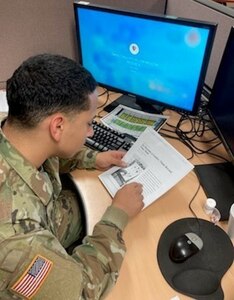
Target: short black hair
45	84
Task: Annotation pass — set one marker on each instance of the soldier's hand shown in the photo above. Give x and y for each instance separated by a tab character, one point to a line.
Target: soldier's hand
107	159
130	198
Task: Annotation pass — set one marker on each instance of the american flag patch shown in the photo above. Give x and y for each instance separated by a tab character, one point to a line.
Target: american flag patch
30	282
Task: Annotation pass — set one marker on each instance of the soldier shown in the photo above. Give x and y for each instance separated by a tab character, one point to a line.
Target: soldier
52	101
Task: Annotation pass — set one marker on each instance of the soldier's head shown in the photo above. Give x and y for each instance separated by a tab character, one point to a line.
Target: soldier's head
46	84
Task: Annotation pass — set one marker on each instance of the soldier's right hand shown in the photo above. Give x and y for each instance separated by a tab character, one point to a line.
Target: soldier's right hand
130	199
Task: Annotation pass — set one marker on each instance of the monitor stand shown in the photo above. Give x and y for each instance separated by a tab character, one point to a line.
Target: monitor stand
217	181
136	103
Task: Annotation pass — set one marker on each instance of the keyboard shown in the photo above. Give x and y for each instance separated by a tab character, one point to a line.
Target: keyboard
105	138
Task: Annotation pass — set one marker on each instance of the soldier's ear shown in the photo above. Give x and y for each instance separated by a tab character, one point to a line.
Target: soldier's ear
56	126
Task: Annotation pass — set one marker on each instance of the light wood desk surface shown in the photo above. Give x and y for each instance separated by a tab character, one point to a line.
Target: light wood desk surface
140	277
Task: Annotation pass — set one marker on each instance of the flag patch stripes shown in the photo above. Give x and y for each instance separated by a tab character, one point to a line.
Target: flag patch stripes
30	282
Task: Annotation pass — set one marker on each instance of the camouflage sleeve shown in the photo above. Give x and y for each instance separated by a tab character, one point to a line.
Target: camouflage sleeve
84	159
35	265
102	254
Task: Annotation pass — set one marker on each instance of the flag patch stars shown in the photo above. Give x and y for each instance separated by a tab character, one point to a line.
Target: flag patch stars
32	279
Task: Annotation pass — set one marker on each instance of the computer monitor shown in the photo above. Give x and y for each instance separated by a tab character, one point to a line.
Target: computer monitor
218	179
153	60
211	11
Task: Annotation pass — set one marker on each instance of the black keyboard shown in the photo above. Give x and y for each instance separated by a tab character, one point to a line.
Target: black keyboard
105	138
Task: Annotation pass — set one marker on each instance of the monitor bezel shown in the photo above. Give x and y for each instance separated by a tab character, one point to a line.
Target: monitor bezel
152	16
213	97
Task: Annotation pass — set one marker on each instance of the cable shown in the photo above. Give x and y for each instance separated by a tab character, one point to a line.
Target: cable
107	98
104	92
194	196
108	95
198	126
190	204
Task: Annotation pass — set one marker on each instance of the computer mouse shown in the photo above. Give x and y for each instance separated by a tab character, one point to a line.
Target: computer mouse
185	246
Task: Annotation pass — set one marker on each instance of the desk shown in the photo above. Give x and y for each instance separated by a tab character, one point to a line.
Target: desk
140	277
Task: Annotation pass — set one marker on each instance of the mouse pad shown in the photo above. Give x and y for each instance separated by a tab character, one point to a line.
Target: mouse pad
200	275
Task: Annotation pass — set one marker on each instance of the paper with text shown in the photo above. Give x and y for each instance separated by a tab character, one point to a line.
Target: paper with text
3	101
131	121
151	161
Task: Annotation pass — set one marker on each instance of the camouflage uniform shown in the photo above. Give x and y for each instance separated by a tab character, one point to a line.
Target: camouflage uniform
37	223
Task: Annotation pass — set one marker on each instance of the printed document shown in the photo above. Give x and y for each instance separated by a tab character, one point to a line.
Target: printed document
3	101
131	121
151	161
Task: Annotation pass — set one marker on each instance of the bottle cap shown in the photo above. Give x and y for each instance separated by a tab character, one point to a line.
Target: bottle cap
209	205
230	230
232	210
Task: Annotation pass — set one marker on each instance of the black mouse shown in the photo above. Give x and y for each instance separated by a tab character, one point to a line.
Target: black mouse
185	246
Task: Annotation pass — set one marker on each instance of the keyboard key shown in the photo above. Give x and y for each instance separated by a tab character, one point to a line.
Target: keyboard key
105	138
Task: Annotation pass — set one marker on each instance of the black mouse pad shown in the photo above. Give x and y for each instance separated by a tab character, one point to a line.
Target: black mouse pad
200	275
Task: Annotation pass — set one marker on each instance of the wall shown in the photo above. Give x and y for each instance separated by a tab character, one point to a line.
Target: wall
207	10
156	6
29	27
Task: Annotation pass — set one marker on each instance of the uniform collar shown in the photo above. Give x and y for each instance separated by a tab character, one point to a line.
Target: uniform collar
36	180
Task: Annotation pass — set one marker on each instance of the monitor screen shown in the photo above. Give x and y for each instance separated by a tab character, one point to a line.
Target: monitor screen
155	59
218	179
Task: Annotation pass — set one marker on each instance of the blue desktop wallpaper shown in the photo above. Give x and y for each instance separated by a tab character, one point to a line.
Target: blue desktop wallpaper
154	59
